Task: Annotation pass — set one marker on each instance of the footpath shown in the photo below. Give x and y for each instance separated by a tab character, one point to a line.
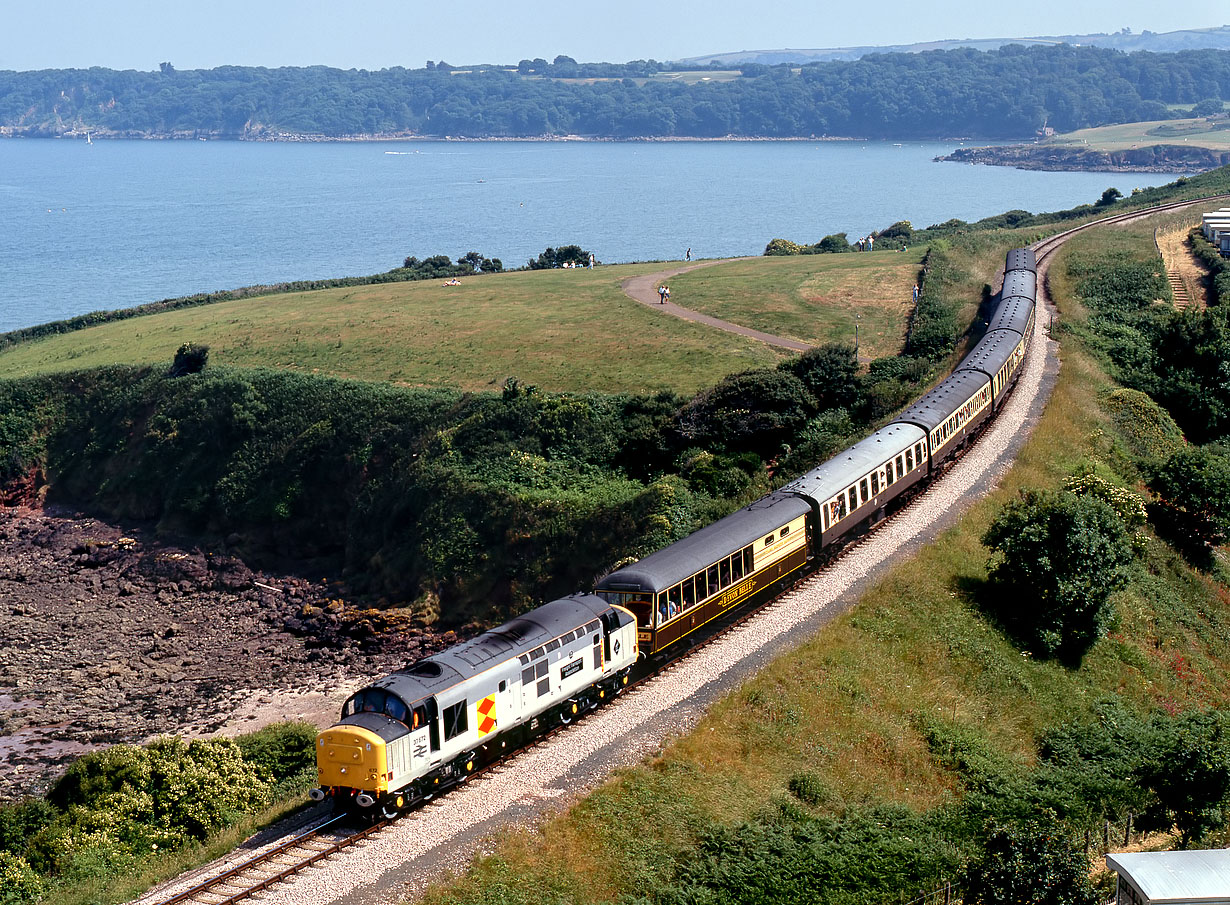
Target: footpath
644	289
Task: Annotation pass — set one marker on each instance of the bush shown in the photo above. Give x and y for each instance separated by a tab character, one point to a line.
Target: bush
1033	862
1146	427
190	358
19	884
281	750
837	243
830	374
782	247
558	257
1056	560
755	411
1193	489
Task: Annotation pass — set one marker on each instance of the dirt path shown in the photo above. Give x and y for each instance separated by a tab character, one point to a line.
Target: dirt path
1186	275
644	289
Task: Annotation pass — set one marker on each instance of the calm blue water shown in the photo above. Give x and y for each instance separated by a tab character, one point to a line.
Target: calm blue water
119	223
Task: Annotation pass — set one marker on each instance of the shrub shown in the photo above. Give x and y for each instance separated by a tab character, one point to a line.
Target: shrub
1033	862
1056	560
830	374
190	358
1193	489
755	411
1188	770
782	247
837	243
19	884
280	750
1146	427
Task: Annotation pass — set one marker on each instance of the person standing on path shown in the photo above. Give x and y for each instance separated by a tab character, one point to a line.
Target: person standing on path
662	294
667	296
591	260
916	292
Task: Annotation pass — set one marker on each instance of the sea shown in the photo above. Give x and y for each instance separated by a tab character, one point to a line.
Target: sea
100	225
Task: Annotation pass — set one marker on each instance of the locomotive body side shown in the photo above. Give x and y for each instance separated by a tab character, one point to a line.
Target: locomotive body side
408	734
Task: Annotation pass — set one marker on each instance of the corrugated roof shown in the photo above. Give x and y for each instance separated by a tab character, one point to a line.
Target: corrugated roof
1176	877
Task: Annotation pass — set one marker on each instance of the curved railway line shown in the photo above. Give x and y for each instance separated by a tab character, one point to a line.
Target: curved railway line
241	880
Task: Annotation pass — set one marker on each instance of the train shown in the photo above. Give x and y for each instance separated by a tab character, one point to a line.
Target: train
405	737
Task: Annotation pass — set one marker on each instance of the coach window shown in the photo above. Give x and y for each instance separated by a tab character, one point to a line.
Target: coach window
862	485
785	531
749	561
714	587
852	493
768	541
689	594
456	720
675	596
736	566
724	573
919	453
875	483
901	466
888	473
909	459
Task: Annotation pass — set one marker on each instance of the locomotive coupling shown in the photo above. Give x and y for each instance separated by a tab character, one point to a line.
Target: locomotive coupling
364	800
317	795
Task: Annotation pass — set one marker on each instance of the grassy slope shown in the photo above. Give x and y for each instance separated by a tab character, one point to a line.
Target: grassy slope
813	298
1124	136
572	329
846	705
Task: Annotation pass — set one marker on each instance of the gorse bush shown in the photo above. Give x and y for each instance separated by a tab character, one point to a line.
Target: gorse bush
115	807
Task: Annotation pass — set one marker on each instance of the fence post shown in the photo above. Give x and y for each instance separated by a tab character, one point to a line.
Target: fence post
1127	831
1087	840
1106	836
947	892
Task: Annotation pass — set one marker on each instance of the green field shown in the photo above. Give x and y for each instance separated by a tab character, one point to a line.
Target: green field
565	330
1200	132
813	298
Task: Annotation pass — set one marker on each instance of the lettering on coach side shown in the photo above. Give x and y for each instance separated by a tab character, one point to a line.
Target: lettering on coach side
737	593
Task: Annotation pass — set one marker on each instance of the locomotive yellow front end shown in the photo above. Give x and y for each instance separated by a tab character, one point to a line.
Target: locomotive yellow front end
351	762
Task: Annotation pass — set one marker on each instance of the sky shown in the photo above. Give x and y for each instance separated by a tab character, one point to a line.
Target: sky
374	34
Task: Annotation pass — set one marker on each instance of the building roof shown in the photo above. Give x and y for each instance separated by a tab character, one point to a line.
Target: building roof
1176	877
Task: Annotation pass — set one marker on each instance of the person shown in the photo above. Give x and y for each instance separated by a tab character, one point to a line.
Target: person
871	243
688	254
666	294
916	292
591	260
662	294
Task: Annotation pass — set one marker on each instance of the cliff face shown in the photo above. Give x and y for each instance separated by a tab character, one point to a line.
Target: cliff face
1150	159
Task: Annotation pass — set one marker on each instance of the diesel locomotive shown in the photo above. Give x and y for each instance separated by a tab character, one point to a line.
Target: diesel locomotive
404	737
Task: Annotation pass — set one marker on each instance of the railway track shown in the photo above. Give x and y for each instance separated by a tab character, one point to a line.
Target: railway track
243	880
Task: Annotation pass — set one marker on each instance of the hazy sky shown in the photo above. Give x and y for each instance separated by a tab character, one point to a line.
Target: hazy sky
372	34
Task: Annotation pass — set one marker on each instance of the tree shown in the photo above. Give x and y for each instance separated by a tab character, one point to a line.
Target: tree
830	373
190	358
834	244
1188	770
755	411
1030	864
1056	560
1109	197
1210	106
1193	490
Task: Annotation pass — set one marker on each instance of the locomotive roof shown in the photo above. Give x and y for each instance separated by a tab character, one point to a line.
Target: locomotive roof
517	636
991	353
933	409
703	548
1020	282
835	475
1021	259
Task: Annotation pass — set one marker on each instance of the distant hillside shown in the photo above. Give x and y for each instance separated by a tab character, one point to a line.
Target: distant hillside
1003	94
1157	42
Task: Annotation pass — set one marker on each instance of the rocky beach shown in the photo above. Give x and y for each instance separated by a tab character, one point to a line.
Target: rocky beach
113	635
